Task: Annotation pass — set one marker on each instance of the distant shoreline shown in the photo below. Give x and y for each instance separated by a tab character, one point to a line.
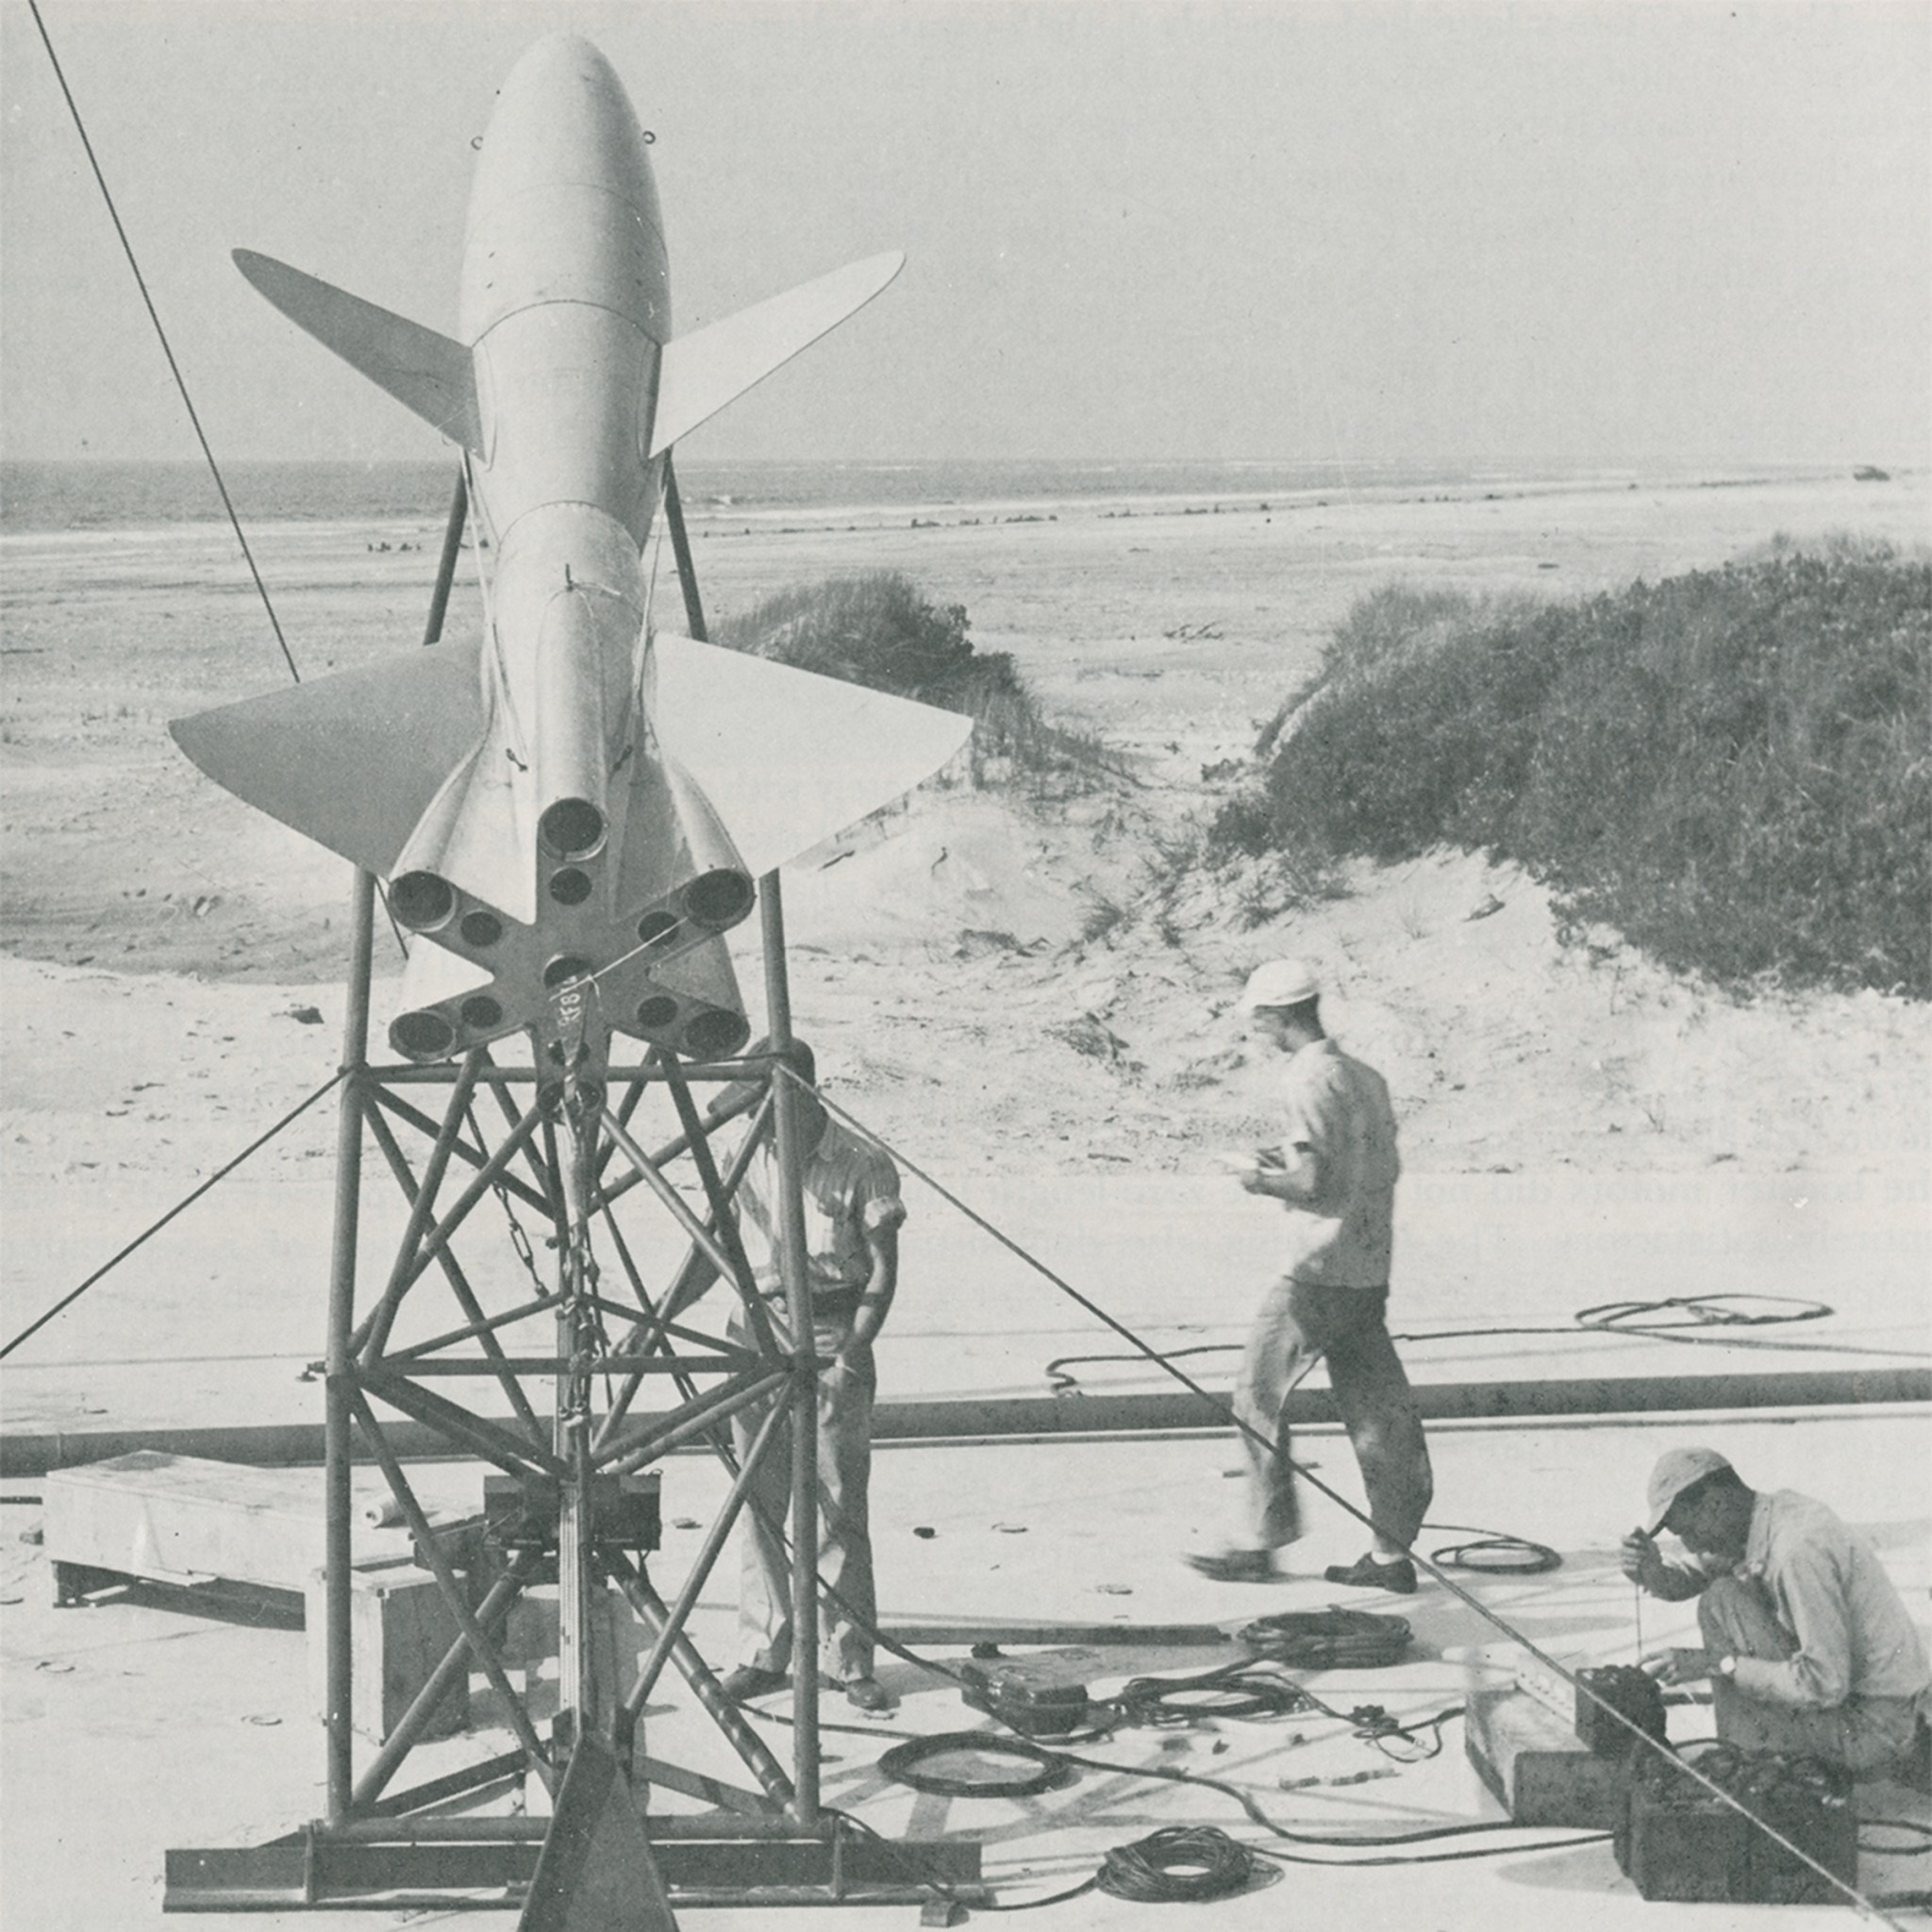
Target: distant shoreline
79	496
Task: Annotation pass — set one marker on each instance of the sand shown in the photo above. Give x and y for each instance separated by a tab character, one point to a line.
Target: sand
986	979
994	988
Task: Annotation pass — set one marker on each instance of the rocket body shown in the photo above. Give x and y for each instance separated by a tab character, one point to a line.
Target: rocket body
524	796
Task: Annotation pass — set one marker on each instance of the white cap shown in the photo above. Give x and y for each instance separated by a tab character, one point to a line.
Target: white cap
1676	1471
1280	982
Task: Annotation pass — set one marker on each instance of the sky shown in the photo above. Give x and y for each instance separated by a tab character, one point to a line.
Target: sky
1569	234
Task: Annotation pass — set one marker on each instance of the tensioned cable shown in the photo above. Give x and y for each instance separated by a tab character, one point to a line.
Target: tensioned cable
66	1301
173	367
1341	1501
1606	1318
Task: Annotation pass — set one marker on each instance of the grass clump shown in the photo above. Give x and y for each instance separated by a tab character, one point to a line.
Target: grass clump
879	629
1733	767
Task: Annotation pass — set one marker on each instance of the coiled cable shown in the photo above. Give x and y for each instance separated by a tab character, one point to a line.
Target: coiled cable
971	1752
1494	1552
1330	1639
1178	1865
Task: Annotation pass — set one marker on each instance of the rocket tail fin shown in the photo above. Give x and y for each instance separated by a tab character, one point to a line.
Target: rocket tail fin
425	371
354	760
712	366
786	757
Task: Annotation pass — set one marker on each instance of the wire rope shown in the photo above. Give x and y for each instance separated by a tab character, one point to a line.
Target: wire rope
188	1201
167	350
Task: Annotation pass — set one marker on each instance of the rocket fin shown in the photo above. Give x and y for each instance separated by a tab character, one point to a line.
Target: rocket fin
478	832
596	1871
786	757
711	366
434	974
423	371
353	761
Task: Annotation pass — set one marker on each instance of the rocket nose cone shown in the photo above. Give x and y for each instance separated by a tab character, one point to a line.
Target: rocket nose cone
556	79
559	56
562	117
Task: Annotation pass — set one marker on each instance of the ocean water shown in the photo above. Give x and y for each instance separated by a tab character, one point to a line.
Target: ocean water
78	495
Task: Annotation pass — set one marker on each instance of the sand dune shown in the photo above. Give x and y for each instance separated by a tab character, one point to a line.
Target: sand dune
989	980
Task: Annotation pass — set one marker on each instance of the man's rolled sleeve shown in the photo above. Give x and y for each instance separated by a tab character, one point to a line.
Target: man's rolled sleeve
882	1211
1811	1605
879	1202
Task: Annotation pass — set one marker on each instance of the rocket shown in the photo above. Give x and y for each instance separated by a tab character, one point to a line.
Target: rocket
572	803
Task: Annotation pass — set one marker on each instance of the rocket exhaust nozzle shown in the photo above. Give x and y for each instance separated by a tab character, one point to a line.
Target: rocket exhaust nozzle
423	1035
719	899
571	829
422	901
714	1035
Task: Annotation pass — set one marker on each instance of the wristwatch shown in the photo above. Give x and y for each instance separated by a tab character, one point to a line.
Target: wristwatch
1727	1667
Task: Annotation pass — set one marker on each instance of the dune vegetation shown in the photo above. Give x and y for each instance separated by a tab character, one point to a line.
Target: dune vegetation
879	629
1731	768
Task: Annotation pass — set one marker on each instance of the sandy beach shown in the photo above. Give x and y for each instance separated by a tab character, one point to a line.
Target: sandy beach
986	979
996	987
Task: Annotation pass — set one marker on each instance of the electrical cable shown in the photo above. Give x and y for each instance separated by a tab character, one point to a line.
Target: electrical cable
1170	1774
1245	1689
912	1764
1235	1691
1326	1640
1179	1865
1221	1408
1603	1318
188	1201
1917	1826
1494	1553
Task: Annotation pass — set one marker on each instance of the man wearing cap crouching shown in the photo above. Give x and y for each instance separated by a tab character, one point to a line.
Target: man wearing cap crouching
1807	1642
1335	1175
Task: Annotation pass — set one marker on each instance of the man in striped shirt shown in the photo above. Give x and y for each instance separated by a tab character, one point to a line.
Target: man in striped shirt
853	1211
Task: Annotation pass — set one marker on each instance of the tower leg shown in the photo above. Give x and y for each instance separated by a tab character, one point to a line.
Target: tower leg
805	1393
338	1361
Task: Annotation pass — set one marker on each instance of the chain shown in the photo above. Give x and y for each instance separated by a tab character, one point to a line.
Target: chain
518	1240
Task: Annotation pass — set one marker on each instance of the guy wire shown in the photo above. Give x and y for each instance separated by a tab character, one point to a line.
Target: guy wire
173	367
1315	1483
39	1322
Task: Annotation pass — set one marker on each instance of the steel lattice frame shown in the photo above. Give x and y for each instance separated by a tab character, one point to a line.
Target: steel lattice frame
563	1148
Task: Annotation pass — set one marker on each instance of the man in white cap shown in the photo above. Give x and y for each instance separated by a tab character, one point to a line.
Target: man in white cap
1335	1175
1807	1642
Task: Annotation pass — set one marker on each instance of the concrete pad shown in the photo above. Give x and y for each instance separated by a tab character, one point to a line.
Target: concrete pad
206	1325
132	1727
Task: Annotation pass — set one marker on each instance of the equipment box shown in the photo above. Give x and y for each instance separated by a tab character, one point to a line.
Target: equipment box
1530	1758
1685	1845
1681	1841
401	1627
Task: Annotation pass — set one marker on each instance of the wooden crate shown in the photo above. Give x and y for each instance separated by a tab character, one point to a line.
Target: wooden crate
1534	1764
186	1518
400	1628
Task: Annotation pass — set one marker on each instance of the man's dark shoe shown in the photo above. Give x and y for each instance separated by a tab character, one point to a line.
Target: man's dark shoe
1238	1566
748	1680
866	1693
1366	1574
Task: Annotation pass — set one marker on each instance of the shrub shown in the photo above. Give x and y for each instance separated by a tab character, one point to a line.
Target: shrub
878	629
1732	767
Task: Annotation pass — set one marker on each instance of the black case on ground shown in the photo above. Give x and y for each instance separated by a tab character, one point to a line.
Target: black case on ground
1680	1841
